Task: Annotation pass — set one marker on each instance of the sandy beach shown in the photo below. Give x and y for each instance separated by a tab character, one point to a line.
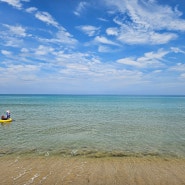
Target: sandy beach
55	170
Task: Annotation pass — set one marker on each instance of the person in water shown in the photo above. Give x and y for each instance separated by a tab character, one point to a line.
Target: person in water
7	115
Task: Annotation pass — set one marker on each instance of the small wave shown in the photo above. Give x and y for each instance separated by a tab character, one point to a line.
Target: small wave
85	152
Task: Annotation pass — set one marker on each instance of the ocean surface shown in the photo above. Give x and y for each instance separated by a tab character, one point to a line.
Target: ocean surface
93	125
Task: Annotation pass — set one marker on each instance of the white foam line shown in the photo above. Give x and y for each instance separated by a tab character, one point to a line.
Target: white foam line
15	161
44	178
22	174
32	179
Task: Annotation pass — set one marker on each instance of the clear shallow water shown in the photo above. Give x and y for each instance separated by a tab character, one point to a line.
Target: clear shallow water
94	125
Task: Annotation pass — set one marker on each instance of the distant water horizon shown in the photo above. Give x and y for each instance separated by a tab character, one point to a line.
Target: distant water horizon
86	94
93	125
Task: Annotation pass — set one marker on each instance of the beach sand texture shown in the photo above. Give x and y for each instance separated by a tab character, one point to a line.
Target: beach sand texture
93	171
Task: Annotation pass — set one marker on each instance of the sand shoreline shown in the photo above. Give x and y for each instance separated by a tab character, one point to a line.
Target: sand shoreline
52	170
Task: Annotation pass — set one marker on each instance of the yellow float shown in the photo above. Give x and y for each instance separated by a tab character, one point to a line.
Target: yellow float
6	120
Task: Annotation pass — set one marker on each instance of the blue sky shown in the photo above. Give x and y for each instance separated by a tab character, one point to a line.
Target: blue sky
92	46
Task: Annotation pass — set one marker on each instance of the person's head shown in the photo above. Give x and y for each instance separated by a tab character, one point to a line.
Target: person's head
8	111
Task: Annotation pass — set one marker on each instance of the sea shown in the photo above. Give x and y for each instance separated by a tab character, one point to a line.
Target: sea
93	125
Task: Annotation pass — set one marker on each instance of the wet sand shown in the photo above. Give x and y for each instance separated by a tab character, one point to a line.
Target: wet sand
56	170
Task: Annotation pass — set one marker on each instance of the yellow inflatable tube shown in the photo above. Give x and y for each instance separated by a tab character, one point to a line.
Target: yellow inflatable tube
6	120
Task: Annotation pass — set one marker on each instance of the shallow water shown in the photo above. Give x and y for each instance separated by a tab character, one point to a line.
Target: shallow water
93	125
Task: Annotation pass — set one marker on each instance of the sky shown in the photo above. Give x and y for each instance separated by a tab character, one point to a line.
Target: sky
92	47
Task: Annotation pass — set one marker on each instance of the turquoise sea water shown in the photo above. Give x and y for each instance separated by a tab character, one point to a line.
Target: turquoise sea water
93	125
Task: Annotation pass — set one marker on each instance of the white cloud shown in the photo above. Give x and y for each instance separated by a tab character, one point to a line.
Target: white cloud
58	39
15	3
157	71
177	50
102	19
112	31
104	40
132	34
77	57
149	60
89	30
85	67
13	35
151	15
62	36
18	31
47	18
19	72
5	52
151	55
77	67
179	67
24	50
22	68
142	22
104	49
13	42
43	50
81	7
129	61
31	10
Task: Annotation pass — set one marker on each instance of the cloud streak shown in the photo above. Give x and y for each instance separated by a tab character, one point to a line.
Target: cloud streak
104	40
80	8
47	18
15	3
17	30
89	30
149	60
142	22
